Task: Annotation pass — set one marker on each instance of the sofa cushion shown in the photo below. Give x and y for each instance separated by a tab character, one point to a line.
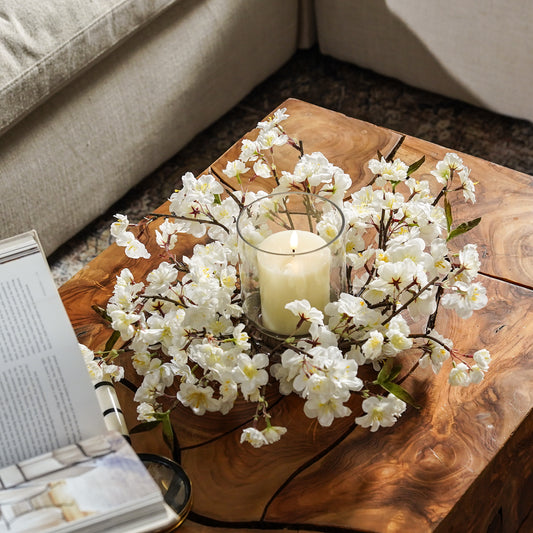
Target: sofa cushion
43	45
479	52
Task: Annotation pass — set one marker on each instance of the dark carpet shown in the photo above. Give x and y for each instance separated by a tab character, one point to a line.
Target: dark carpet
335	85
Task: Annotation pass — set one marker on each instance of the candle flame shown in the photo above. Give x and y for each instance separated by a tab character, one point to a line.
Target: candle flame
293	241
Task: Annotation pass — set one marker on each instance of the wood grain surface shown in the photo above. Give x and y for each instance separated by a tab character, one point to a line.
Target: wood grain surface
461	463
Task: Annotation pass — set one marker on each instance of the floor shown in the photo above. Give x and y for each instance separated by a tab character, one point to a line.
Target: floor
332	84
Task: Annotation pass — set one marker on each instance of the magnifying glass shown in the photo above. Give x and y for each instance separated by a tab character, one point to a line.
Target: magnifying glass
174	484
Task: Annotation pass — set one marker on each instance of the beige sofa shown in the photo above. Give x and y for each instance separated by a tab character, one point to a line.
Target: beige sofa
479	52
96	94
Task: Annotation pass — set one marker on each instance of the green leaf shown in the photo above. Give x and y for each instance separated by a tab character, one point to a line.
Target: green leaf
112	354
416	165
111	341
102	312
385	372
395	371
218	200
145	426
448	211
400	393
168	432
463	228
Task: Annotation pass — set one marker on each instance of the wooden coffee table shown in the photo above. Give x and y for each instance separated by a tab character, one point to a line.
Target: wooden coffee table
462	463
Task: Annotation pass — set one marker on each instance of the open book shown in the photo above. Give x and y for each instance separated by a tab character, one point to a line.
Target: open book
61	469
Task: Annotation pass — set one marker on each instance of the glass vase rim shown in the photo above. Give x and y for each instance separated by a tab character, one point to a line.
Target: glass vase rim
299	193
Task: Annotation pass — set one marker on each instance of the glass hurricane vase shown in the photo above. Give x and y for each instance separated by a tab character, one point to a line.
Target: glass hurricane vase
291	247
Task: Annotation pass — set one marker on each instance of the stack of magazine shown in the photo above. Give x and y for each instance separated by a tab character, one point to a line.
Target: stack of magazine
61	468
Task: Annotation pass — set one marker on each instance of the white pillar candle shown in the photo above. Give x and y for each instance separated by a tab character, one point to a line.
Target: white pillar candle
302	273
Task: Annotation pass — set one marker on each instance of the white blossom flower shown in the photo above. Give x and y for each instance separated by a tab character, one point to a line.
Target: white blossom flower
235	168
482	358
120	226
325	410
343	373
293	361
199	399
268	138
420	190
145	412
453	161
148	393
115	372
443	169
465	298
424	304
439	251
393	171
240	337
161	278
347	304
467	185
93	367
202	188
373	347
325	373
469	264
459	375
357	259
328	227
133	247
412	249
355	354
229	392
441	172
476	374
399	274
250	372
380	412
159	373
167	233
249	150
314	169
141	362
262	170
283	375
154	382
125	278
436	353
208	355
254	437
398	341
123	323
304	310
322	335
274	120
273	433
336	189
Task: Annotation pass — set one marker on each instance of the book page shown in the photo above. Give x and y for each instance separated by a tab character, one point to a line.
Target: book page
46	394
99	484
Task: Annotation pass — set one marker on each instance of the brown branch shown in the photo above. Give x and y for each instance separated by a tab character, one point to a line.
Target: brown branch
396	147
229	189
